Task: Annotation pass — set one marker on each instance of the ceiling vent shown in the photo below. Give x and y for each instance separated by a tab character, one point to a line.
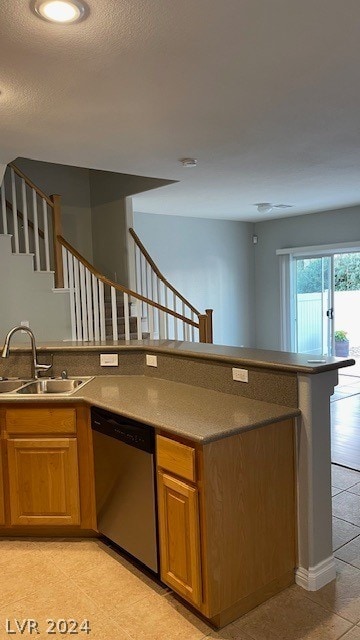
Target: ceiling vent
267	207
188	162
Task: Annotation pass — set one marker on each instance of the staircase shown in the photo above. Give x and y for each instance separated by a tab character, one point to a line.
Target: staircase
133	322
91	307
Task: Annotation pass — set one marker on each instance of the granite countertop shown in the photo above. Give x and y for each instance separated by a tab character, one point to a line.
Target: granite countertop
279	360
202	415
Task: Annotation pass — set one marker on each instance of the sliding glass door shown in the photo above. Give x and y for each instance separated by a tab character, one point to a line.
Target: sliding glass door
314	304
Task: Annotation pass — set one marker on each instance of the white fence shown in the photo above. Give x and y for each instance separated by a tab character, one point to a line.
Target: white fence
312	322
347	315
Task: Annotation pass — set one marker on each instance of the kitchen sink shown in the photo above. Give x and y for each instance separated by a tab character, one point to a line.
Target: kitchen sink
6	386
53	386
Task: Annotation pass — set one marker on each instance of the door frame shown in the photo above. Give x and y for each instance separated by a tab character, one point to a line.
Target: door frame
287	300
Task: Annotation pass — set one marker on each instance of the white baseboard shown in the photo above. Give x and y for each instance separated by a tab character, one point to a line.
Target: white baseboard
316	577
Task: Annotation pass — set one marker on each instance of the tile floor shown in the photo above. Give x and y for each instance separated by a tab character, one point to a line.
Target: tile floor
345	422
84	579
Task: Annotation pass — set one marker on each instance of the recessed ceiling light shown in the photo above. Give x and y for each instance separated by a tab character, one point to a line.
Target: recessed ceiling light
62	11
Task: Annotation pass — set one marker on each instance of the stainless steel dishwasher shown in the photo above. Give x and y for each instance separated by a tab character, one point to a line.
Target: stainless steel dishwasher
125	484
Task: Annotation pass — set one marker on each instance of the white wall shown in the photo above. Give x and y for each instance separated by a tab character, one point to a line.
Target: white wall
211	262
72	183
327	227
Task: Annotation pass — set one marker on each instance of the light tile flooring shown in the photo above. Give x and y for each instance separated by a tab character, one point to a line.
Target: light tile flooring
84	579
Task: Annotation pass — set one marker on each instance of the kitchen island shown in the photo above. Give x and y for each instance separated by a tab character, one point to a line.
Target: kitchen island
239	493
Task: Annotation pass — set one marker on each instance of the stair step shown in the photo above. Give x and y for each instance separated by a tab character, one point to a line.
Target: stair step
133	336
121	322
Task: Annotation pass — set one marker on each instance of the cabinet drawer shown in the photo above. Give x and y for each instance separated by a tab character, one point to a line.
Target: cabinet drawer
176	457
41	421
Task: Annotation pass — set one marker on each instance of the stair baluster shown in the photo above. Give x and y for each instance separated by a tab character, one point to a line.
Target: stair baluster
3	209
15	219
25	214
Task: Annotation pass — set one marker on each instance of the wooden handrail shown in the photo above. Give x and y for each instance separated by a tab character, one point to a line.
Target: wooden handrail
21	216
31	184
155	268
120	287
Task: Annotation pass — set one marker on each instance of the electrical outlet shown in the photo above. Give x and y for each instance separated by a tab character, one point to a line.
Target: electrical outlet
151	361
109	360
241	375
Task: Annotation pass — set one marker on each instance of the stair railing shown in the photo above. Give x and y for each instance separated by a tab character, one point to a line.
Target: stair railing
36	209
153	285
92	295
20	216
167	313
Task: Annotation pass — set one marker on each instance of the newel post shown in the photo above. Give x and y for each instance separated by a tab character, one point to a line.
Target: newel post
209	325
202	327
206	326
57	231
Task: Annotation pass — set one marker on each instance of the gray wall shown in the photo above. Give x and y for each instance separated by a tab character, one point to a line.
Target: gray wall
27	295
72	183
93	209
211	262
109	226
327	227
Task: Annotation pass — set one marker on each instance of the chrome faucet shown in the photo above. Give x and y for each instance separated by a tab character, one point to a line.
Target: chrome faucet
36	367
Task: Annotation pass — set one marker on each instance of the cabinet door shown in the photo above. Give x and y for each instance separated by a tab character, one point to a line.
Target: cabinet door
179	537
43	481
2	507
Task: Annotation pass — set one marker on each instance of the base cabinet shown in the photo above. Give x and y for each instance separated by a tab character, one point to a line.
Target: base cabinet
227	519
47	470
180	536
43	481
2	490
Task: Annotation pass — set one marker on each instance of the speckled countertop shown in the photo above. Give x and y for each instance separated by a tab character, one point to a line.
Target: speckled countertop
202	415
280	360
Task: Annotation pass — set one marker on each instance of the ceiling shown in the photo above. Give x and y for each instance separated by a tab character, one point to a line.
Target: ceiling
264	93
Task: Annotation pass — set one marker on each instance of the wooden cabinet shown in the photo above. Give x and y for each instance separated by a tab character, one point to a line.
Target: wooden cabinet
2	491
227	519
47	469
43	481
40	421
180	536
176	457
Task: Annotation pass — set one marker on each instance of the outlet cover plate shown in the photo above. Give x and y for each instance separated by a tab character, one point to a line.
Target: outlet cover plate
109	360
151	361
240	375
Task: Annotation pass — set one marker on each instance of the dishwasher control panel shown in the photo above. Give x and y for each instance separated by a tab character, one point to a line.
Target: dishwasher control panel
133	433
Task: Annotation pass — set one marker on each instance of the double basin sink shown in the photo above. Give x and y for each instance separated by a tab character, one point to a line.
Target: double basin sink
44	386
